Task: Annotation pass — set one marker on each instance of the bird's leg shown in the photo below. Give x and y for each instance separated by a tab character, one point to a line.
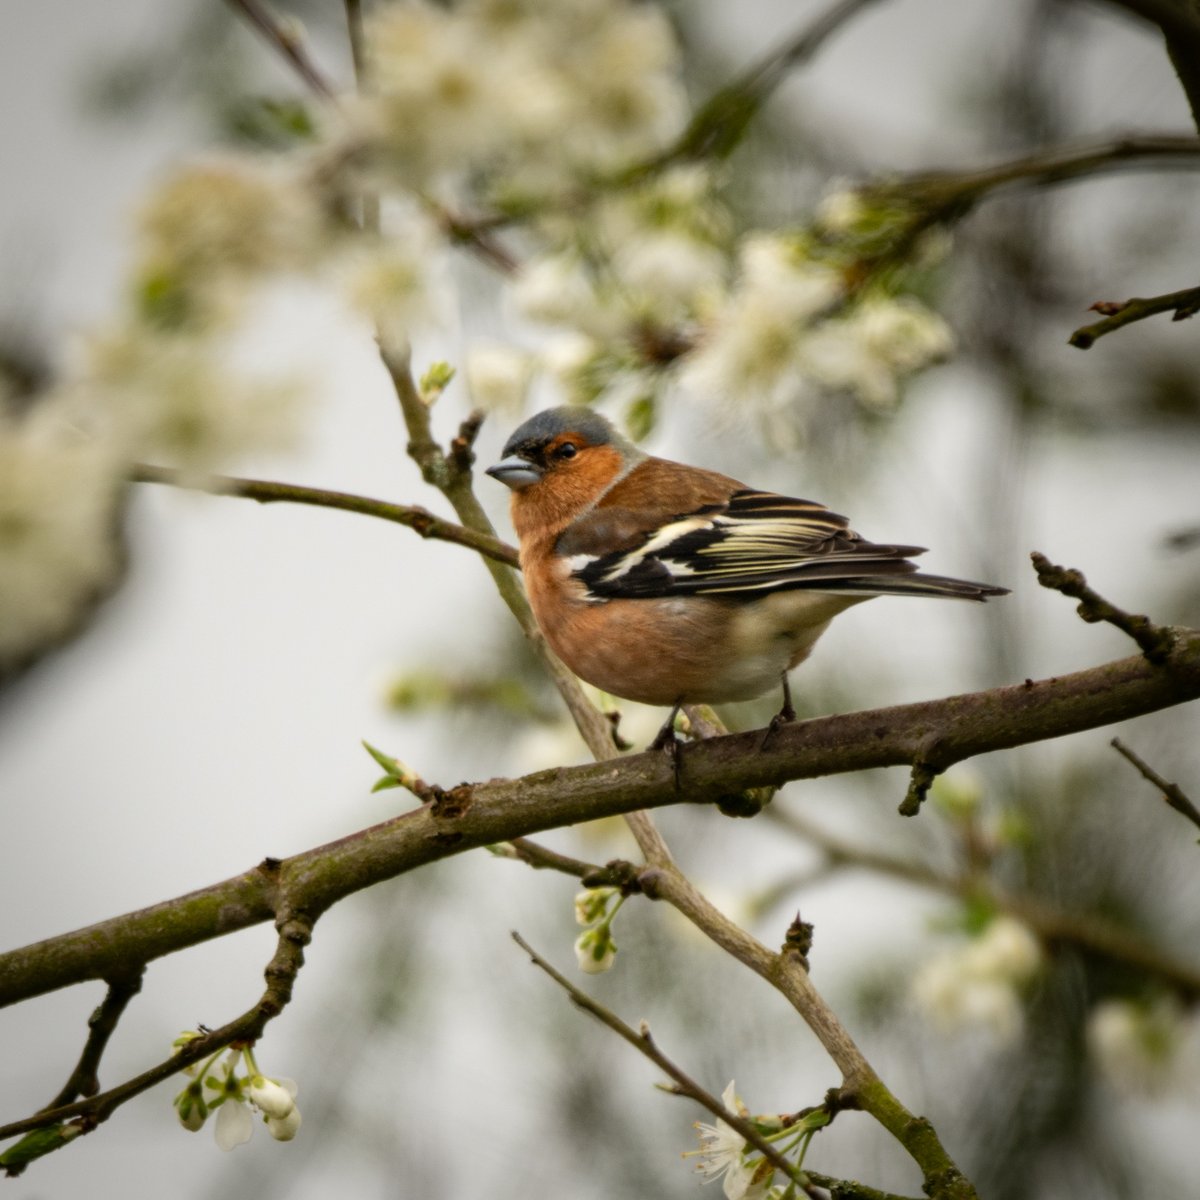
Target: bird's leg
666	740
785	716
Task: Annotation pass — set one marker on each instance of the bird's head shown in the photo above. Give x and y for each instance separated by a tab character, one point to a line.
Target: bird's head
561	460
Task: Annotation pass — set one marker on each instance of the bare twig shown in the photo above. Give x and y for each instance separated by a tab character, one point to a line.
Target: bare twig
1172	793
286	40
1091	933
1183	304
420	520
358	45
1155	640
920	780
685	1085
542	858
849	1189
1052	164
84	1080
721	122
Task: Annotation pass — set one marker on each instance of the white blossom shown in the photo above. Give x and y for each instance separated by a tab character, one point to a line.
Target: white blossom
399	281
840	209
436	94
58	544
595	950
556	289
572	360
751	349
1006	951
902	332
271	1096
530	94
238	215
720	1144
180	398
978	985
669	272
235	1124
498	376
283	1129
722	1154
1139	1049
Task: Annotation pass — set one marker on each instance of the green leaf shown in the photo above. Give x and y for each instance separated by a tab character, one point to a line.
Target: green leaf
435	381
390	765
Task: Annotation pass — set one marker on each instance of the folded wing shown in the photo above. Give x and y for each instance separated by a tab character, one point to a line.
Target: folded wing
749	545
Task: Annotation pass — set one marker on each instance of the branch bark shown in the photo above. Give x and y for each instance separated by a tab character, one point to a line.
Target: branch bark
941	732
420	520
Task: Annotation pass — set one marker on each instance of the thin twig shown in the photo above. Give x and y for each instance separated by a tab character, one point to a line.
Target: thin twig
542	858
642	1041
1172	793
849	1189
920	780
84	1080
1052	164
420	520
1154	640
295	932
1091	933
1183	304
721	122
285	39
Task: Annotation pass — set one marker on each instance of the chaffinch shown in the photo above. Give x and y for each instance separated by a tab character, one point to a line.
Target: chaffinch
668	584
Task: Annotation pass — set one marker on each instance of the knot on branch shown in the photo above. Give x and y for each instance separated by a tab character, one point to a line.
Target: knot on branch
450	805
462	447
798	940
619	873
1155	641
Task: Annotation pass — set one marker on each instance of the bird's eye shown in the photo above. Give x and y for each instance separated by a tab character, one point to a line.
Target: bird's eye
566	450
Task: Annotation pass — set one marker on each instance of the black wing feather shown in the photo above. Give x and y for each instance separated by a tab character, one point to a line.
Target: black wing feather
758	543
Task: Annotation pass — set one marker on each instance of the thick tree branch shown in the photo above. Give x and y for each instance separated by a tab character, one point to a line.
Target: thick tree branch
420	520
943	731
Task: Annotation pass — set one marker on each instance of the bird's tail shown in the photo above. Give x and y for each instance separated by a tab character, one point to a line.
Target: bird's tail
916	584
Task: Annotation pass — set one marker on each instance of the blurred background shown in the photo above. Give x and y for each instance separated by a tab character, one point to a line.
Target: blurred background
211	711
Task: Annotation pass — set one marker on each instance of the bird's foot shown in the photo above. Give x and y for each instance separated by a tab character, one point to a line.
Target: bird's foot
666	740
785	716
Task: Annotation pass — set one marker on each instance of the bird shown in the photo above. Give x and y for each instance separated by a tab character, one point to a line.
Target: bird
669	584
